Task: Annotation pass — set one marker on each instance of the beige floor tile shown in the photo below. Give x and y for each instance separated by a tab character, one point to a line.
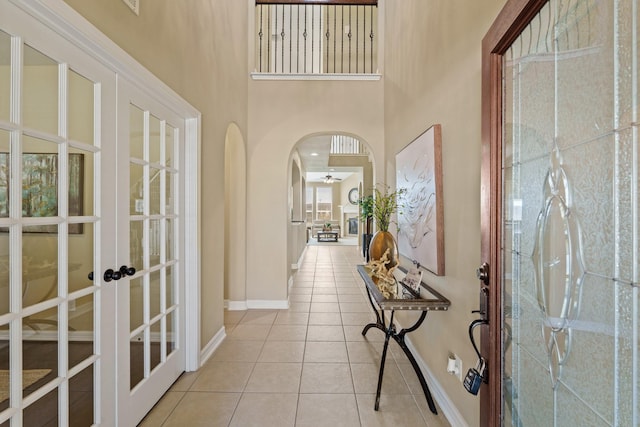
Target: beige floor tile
237	351
301	291
358	319
326	378
395	410
354	333
233	317
365	378
325	333
433	420
250	332
265	410
325	298
324	307
325	319
342	298
162	409
223	377
300	298
275	378
355	307
287	317
354	290
325	352
299	307
324	283
324	291
287	333
185	381
327	410
259	317
203	409
282	351
364	352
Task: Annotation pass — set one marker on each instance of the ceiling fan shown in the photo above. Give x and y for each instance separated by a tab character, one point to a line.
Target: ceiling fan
328	179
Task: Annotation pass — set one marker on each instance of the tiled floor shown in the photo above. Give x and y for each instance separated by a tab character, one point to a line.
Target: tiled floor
306	366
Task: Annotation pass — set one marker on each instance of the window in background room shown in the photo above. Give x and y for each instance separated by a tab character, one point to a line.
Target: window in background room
309	205
324	203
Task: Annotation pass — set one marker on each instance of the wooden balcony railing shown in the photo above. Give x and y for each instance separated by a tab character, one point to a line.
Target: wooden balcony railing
316	36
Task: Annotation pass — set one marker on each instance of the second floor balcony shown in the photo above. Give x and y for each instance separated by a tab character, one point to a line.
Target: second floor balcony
316	37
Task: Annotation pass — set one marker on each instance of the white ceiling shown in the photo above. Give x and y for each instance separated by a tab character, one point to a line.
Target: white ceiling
317	167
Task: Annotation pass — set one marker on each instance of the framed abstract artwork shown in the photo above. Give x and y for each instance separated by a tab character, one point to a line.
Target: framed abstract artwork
421	212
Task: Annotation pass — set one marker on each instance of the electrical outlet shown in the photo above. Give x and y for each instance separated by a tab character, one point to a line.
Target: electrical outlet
454	366
459	368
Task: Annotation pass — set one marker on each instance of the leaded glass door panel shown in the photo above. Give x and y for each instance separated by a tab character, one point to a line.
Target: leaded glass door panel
564	171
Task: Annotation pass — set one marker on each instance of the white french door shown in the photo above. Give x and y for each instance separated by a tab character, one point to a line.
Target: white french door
151	350
91	170
56	227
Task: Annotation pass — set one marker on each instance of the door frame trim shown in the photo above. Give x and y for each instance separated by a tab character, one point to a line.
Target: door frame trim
507	27
68	23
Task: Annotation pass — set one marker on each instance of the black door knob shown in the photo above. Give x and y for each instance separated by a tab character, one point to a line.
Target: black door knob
90	276
110	275
127	271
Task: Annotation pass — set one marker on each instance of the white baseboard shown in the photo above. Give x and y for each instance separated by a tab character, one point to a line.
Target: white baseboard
300	259
235	305
447	406
211	346
268	304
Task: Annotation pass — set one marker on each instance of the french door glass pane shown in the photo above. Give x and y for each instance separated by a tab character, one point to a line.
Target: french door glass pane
39	265
155	242
81	180
135	303
171	333
136	245
5	249
40	352
39	178
155	180
170	240
136	359
5	75
154	294
43	412
81	388
5	151
154	139
5	350
154	346
81	102
170	135
170	193
40	91
81	329
136	199
170	287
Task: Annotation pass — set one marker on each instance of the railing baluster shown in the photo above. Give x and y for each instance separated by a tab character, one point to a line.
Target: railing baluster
315	33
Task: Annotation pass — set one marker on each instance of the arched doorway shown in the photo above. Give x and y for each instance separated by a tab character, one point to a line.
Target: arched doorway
328	173
235	230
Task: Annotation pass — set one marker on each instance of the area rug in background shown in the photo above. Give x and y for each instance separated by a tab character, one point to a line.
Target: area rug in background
342	241
29	377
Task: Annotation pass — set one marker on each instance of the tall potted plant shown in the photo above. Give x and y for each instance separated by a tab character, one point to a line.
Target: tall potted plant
385	204
366	216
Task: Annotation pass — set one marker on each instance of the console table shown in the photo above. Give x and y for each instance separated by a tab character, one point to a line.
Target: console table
424	300
327	236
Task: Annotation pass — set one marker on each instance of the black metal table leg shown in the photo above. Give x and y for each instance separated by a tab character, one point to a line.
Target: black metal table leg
388	334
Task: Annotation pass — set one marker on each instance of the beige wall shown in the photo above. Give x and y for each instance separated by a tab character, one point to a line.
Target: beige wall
281	113
438	80
198	50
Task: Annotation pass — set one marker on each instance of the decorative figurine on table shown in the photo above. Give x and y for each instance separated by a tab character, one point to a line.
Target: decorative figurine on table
386	281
